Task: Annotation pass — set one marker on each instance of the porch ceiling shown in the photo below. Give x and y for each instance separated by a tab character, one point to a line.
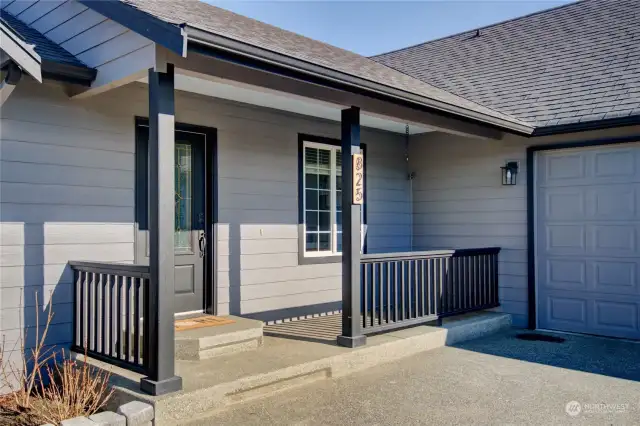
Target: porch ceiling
264	97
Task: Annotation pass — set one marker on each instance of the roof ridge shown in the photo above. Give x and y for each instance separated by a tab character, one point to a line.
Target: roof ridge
517	18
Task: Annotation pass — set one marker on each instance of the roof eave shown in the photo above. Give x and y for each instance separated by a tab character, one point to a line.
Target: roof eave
160	32
20	52
584	126
198	36
68	73
177	37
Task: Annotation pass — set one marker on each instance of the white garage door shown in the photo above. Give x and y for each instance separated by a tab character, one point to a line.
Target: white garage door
587	230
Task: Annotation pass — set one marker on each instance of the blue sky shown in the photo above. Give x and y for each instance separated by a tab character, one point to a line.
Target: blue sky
371	27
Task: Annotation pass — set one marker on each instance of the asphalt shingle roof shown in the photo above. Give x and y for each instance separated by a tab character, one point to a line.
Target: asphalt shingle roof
224	23
575	63
48	50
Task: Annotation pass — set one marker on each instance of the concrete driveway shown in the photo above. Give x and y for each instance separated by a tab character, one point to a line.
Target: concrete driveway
495	380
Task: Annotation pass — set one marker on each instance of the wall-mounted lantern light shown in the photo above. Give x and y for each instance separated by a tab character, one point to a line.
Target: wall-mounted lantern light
509	173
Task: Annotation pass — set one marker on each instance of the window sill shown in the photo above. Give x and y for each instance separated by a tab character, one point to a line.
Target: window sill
318	260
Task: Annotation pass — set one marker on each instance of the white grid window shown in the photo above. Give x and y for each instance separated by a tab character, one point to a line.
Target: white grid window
321	205
322	198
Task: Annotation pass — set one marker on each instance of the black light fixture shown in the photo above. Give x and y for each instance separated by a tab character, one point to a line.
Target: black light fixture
509	173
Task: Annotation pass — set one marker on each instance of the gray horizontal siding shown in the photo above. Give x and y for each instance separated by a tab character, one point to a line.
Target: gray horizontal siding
67	193
258	243
459	202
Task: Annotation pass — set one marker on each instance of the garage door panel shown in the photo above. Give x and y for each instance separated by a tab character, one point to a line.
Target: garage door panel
615	316
564	167
564	238
566	274
614	202
587	229
614	163
563	204
615	277
568	310
611	240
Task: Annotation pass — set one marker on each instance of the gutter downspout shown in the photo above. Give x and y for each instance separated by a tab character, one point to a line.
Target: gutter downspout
14	75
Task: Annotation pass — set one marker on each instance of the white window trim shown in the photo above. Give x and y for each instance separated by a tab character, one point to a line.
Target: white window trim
333	226
333	201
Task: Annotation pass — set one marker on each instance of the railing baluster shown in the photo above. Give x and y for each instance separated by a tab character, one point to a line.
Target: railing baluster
104	316
92	311
396	279
481	269
453	284
413	290
388	296
113	336
487	279
79	317
466	265
426	295
145	314
365	298
136	324
410	285
380	292
119	342
474	282
439	295
495	280
374	286
490	283
104	295
98	295
127	339
406	268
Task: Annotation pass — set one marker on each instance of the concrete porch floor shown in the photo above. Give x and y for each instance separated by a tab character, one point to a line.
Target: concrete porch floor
303	352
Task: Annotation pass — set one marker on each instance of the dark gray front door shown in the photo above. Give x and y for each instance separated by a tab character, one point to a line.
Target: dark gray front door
190	217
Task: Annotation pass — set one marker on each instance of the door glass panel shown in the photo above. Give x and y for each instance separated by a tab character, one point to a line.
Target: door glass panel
184	193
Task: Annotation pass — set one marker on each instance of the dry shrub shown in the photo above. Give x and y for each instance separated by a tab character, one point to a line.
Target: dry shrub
49	386
75	389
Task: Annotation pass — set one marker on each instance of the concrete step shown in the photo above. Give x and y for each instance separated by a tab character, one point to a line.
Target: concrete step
284	364
209	342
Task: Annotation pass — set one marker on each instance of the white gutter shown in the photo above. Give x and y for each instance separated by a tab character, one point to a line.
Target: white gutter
20	52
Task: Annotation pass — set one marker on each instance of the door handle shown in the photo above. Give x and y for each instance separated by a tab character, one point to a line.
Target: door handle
202	244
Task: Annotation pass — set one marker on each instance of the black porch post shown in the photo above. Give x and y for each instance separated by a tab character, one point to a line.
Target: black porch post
159	324
351	225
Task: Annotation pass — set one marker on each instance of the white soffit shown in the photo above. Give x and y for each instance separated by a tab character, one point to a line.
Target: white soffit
284	101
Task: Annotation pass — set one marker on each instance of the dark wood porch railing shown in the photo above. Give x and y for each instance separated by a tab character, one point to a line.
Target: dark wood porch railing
402	289
110	302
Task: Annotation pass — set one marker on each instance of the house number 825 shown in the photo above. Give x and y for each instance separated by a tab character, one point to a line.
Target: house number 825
358	179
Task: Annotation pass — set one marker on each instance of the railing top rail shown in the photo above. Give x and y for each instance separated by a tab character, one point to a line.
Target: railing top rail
476	251
414	255
113	268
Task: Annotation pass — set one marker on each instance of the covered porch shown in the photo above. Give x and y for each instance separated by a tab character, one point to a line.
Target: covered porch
124	314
